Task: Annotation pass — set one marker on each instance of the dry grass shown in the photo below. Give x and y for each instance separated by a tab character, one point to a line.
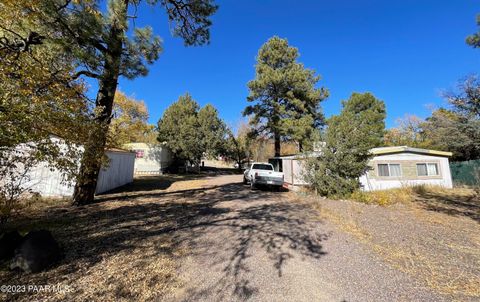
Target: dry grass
408	194
119	249
444	255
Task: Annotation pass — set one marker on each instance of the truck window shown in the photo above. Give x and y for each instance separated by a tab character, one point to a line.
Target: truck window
262	167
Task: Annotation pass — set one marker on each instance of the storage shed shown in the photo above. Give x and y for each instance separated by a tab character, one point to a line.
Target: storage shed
50	182
391	167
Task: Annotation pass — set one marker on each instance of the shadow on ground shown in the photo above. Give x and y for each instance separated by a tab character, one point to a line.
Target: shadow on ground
162	182
93	233
454	204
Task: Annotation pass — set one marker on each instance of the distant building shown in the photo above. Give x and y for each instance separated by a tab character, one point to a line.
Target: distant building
391	167
150	159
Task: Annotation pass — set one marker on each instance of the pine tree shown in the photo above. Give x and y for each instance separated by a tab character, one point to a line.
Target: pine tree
98	41
190	132
178	129
474	39
213	130
348	140
287	104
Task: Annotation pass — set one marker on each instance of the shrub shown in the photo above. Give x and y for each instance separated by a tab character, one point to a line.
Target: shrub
346	150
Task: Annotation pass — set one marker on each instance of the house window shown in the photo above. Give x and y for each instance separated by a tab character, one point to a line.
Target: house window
389	170
427	169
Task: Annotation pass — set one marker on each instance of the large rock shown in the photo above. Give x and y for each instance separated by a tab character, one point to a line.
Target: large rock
8	243
38	251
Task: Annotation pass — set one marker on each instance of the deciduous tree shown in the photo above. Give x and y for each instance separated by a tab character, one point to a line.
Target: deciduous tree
40	98
130	122
409	132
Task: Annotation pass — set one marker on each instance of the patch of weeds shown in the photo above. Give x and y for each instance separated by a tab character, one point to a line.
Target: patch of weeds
406	194
384	197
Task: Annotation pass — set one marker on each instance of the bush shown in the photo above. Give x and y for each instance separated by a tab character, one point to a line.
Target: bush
346	151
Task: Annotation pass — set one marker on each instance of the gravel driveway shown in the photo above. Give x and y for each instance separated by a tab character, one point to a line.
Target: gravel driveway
210	238
260	246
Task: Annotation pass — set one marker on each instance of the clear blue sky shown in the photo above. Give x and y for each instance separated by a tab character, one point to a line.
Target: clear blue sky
405	52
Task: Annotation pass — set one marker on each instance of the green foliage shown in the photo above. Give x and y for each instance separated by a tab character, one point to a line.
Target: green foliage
447	130
97	40
178	129
457	129
191	19
213	131
474	39
40	98
190	132
287	104
348	140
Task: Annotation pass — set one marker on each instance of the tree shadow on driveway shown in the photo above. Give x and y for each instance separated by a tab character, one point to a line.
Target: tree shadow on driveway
227	224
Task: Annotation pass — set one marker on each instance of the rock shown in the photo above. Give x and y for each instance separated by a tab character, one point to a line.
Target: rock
8	243
38	251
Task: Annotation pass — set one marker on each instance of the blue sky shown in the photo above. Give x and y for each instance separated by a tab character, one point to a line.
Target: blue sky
404	52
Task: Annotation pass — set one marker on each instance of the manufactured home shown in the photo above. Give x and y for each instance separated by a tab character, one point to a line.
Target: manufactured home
150	159
390	167
394	167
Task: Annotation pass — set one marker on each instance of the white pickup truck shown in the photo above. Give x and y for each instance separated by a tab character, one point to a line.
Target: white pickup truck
262	174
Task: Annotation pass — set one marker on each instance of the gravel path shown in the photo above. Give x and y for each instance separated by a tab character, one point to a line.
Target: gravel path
260	246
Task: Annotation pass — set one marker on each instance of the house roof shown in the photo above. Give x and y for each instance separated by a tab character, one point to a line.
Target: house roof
400	149
377	151
119	150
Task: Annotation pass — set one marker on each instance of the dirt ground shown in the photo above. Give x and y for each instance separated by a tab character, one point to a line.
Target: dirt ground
210	238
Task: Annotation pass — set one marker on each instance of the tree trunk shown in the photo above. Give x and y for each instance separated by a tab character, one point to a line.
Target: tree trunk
95	147
276	136
300	147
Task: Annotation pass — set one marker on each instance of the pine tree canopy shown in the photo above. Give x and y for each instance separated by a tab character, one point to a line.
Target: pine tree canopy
286	101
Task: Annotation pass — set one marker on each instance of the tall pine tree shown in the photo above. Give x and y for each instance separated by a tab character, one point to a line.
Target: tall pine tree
97	37
286	101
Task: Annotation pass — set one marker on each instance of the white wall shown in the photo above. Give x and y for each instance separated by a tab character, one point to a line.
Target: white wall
50	182
118	173
293	171
155	158
370	184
